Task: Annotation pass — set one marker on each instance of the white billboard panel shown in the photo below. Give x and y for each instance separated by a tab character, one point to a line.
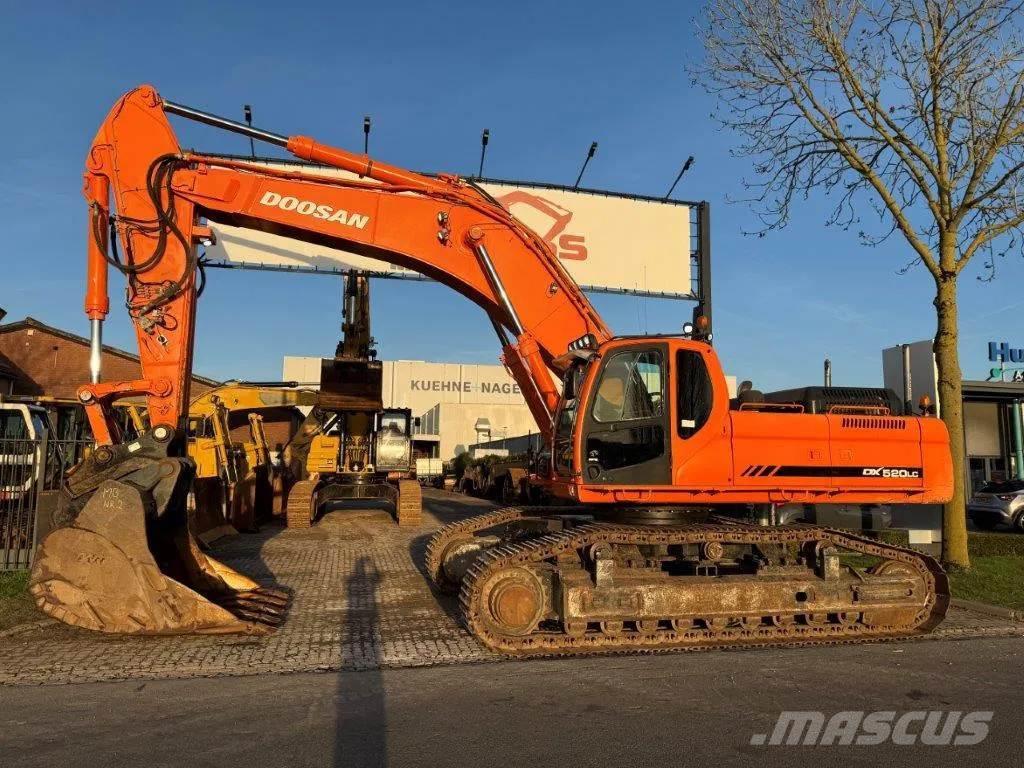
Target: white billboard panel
606	241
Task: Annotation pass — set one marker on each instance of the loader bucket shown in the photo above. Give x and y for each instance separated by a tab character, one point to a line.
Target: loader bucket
127	563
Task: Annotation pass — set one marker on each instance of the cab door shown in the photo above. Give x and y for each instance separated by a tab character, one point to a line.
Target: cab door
625	438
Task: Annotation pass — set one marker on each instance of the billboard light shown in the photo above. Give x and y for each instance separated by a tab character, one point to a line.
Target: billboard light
590	155
485	139
247	112
685	168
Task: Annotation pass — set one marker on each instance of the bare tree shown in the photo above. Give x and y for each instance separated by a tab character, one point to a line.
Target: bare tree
911	111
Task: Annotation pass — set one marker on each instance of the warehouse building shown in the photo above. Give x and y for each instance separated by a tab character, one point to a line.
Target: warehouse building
458	404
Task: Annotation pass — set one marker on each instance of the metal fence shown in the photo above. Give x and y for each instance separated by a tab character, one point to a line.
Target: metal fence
31	471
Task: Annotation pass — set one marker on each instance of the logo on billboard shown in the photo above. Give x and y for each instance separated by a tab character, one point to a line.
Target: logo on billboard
547	219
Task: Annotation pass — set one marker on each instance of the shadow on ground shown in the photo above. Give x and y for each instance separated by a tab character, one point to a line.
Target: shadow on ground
360	737
446	508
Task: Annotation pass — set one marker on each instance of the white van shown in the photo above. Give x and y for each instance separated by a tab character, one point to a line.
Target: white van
23	432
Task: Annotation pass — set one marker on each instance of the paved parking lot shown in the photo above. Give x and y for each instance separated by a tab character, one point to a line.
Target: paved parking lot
360	602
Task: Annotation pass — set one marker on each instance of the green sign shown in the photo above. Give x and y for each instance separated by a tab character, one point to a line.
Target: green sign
1015	375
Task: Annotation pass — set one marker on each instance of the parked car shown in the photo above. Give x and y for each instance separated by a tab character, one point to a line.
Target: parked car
866	517
999	503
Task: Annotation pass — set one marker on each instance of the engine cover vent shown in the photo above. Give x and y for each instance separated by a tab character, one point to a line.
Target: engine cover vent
870	422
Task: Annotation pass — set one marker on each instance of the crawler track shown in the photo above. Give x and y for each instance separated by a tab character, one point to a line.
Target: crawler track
409	503
544	551
298	510
406	497
463	529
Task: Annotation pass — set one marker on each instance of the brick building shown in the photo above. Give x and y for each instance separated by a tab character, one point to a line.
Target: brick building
6	379
279	426
38	360
42	361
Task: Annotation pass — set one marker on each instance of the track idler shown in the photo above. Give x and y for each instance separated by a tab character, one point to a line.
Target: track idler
121	558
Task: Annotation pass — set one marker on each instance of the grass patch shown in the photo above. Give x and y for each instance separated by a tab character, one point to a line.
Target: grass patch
992	579
985	544
858	560
16	606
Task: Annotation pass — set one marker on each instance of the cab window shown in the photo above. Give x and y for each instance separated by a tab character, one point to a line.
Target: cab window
695	396
13	426
631	387
200	428
16	439
393	423
572	383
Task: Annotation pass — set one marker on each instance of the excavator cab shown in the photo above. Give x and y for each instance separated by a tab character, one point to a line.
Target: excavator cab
624	431
393	449
616	420
650	420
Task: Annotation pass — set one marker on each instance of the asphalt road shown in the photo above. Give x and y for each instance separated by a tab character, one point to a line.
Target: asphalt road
689	709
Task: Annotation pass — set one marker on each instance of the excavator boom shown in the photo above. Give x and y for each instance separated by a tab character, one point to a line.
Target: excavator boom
443	227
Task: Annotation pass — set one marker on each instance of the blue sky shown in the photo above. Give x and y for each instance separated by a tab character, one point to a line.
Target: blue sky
545	78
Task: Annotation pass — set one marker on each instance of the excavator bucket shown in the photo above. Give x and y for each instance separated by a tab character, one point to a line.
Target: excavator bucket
127	563
350	385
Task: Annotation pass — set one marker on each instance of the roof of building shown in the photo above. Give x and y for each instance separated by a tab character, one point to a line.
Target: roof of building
995	390
32	323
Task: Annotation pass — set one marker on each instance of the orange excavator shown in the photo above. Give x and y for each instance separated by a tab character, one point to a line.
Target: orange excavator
658	464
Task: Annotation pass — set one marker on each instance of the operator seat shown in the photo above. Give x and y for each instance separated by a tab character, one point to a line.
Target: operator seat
610	398
745	393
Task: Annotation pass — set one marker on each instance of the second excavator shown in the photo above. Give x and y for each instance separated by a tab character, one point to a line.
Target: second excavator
350	446
645	442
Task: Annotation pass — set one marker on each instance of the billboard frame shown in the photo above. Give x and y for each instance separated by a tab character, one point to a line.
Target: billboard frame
698	260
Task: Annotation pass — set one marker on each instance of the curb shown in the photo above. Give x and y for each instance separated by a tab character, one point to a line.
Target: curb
991	610
20	628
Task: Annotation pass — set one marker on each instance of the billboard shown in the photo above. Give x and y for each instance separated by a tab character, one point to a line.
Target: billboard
606	241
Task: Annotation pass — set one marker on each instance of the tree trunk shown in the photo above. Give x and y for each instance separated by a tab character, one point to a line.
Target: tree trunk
950	386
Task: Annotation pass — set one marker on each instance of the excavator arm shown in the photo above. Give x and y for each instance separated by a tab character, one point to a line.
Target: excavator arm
143	187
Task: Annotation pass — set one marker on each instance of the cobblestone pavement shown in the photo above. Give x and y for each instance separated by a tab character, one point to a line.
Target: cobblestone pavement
360	602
